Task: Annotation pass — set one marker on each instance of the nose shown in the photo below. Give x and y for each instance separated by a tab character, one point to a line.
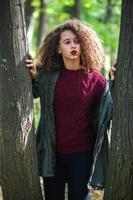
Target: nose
73	45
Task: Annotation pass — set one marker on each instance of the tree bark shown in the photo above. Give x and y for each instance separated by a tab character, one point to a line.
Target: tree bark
28	12
75	12
109	11
120	172
18	164
42	22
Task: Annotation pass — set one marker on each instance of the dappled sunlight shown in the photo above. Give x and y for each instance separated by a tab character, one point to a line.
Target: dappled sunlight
96	194
1	196
26	125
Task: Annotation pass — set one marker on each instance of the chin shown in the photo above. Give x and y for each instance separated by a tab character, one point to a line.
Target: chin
74	57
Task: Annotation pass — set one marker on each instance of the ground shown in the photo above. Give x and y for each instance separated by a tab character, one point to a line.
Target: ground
94	195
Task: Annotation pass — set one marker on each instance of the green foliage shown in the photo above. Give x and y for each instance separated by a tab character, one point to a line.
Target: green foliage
95	12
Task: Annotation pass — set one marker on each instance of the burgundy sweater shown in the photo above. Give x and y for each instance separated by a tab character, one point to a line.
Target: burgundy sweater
76	96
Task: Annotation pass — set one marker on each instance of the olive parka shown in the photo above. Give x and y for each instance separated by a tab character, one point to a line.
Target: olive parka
43	87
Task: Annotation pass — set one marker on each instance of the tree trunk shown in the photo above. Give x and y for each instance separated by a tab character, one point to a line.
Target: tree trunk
18	165
120	172
75	12
42	22
109	11
28	12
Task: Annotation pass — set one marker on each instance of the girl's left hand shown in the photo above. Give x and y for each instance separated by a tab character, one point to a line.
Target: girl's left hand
112	72
30	63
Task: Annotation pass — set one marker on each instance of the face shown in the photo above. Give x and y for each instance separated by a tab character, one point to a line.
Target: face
69	46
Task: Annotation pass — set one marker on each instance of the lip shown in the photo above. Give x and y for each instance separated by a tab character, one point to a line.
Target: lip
74	52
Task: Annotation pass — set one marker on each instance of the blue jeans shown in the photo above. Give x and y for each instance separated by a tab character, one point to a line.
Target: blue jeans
74	169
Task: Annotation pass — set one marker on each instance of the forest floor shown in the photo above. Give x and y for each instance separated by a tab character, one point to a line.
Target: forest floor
1	194
94	195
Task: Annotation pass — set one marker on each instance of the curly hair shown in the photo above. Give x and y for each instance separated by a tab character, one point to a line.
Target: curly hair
92	53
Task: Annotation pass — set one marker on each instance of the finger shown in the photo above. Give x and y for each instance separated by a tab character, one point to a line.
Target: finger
33	73
113	68
29	61
112	76
31	65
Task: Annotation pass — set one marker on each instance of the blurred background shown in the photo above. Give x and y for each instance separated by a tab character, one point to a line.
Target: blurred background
102	15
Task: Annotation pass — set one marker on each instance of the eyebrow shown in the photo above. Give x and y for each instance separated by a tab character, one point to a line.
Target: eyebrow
69	39
66	39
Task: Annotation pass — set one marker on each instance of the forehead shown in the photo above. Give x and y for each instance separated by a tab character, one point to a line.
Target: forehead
67	34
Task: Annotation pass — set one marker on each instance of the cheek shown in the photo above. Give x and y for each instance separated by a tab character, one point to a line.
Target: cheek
79	49
65	49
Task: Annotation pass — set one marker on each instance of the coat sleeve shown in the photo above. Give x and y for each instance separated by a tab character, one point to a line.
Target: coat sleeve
36	85
99	167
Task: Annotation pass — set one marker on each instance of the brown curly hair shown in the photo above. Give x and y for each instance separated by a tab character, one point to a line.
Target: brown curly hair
92	54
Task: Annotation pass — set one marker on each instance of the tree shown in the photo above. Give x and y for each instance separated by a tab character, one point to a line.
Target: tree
109	10
18	163
74	10
120	172
41	24
28	12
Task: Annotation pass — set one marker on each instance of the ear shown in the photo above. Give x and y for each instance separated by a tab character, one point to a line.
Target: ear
59	50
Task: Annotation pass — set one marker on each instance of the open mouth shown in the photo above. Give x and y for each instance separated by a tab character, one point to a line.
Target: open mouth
73	52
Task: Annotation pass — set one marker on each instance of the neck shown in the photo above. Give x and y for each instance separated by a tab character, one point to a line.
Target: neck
72	64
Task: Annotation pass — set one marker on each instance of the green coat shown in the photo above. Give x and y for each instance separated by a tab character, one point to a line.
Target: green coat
43	87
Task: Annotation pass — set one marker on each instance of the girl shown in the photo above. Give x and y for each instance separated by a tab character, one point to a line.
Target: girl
75	110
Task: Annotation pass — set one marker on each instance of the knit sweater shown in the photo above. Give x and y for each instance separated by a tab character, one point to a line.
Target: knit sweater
77	94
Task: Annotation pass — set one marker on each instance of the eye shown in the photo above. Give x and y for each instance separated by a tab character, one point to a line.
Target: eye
67	42
76	41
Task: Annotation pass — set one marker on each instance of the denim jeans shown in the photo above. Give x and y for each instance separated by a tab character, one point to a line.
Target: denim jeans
74	169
